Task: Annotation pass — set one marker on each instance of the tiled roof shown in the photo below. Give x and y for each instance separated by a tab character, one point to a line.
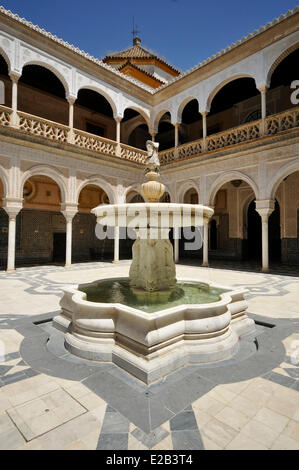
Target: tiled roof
138	52
134	66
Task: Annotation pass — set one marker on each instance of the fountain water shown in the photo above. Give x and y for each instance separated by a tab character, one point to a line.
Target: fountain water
151	323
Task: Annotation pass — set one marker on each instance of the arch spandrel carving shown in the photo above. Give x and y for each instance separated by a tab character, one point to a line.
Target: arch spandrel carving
30	56
279	175
275	54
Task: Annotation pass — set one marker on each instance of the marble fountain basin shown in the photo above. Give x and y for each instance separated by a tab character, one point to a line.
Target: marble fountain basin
150	345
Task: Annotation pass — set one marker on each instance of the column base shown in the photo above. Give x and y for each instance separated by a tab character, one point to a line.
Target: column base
115	261
10	271
205	265
265	270
68	265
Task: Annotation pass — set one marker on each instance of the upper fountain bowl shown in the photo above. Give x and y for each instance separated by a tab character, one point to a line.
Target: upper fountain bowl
152	214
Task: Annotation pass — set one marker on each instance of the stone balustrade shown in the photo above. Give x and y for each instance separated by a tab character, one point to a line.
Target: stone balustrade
93	142
236	135
54	131
132	153
5	115
282	121
246	132
192	148
42	127
167	156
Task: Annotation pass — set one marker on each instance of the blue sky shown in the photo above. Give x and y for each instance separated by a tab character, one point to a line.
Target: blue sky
183	31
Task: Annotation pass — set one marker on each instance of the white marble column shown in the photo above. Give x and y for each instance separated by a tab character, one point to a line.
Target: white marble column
153	133
176	133
71	100
176	137
116	245
12	210
69	215
119	198
204	127
118	121
14	99
263	91
265	208
176	244
11	251
69	236
205	248
265	243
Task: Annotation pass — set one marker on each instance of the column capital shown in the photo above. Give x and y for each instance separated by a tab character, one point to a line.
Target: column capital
265	207
262	88
204	112
120	194
206	219
15	76
69	210
12	205
71	99
68	215
118	118
177	123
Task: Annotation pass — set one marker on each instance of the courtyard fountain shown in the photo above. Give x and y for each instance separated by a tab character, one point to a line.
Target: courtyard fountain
152	322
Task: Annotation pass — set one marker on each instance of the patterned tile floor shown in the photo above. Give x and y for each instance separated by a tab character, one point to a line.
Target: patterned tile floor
51	400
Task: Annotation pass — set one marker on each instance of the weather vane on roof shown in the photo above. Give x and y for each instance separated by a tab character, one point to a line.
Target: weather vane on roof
135	31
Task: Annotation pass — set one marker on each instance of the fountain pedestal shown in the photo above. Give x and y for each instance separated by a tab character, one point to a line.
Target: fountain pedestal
153	266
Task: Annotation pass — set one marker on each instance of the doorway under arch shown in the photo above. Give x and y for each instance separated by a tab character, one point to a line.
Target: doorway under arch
254	234
213	235
86	246
274	235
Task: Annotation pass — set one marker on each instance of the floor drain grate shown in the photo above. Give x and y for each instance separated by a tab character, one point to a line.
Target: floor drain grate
40	322
265	324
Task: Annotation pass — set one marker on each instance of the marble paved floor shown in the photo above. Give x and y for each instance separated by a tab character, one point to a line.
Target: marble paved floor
51	400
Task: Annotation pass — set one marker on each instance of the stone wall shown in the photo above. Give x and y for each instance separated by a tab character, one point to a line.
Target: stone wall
41	218
85	244
35	238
